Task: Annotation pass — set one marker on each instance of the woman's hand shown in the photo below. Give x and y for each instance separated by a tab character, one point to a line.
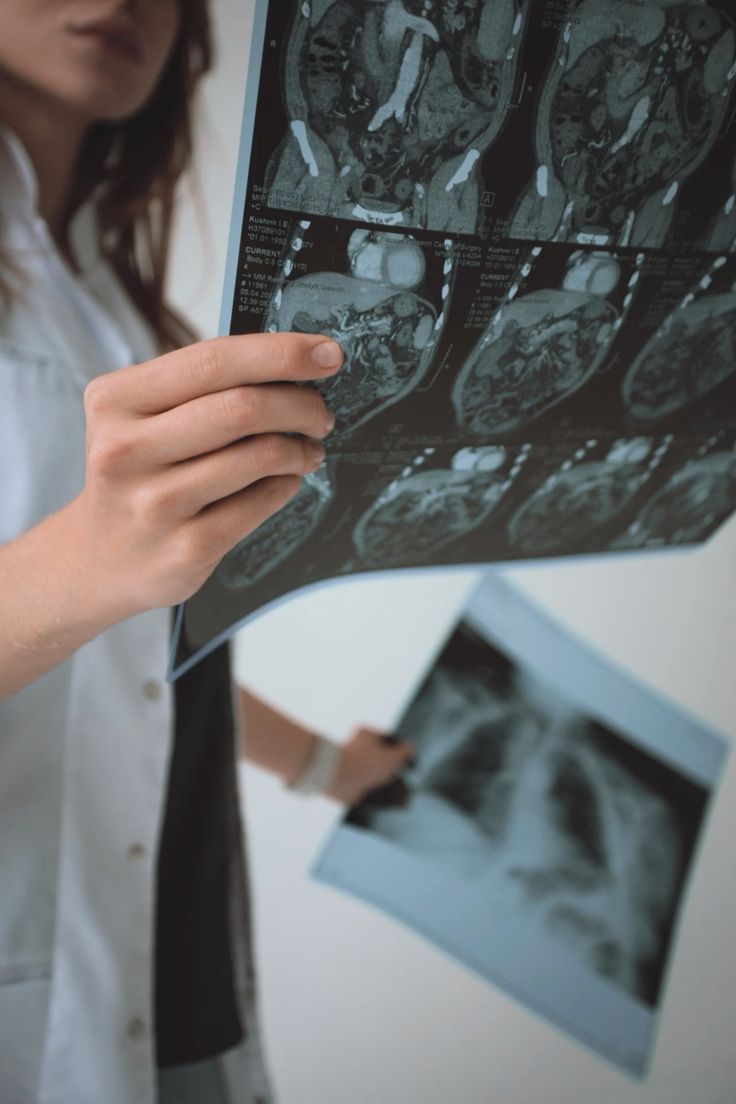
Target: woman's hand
367	761
187	454
277	743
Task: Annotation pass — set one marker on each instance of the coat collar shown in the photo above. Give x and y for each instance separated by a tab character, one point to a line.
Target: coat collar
22	227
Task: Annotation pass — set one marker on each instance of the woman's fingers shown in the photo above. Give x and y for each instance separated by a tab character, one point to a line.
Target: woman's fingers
184	490
189	453
367	762
219	527
391	756
218	365
400	756
212	422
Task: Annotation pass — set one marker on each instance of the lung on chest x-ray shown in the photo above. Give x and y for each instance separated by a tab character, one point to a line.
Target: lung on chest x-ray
547	831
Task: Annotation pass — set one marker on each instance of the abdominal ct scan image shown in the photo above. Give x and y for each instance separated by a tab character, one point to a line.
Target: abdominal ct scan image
691	354
540	346
391	107
721	233
583	496
380	311
632	105
423	511
695	500
278	537
563	821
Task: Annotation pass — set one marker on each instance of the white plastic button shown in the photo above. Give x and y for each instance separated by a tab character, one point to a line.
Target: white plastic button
152	690
136	1028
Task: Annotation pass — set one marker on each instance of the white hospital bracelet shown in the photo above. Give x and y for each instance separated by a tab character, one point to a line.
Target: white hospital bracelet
320	771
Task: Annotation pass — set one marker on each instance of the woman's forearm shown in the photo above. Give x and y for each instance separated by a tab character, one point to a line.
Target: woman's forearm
281	745
272	740
49	605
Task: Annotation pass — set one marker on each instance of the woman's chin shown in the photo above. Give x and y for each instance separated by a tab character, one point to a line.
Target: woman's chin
97	101
106	87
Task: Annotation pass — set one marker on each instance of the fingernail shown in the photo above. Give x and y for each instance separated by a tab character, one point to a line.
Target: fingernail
330	421
327	355
317	452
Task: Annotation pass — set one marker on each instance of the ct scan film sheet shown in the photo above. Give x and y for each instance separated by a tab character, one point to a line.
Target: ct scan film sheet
547	833
518	219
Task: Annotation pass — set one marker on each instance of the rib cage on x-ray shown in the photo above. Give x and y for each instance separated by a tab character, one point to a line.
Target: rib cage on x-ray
547	830
572	833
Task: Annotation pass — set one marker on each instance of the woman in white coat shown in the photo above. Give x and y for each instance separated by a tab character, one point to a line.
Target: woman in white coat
129	466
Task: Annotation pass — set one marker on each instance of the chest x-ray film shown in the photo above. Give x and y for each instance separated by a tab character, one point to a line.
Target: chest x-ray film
547	832
518	219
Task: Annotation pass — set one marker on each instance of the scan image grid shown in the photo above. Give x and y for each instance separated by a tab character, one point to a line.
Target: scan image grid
518	219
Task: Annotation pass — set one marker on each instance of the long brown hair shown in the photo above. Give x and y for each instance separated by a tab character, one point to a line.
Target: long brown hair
131	170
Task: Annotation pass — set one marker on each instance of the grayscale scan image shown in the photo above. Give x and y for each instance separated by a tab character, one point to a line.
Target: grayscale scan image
518	220
633	103
380	310
279	536
543	345
692	352
422	511
721	235
391	106
563	821
584	496
690	505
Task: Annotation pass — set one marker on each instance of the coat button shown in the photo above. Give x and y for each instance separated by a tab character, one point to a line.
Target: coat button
136	1028
136	851
152	690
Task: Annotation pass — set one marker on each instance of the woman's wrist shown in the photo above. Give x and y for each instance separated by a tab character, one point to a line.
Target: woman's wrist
309	763
348	771
98	594
319	772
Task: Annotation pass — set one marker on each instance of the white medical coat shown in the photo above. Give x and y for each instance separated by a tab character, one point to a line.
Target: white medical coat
83	750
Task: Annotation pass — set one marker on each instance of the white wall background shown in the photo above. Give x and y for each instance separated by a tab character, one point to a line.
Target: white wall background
357	1009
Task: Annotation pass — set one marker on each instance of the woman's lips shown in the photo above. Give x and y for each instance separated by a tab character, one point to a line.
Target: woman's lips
116	36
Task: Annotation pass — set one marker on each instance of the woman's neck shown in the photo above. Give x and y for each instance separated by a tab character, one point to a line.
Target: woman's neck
52	135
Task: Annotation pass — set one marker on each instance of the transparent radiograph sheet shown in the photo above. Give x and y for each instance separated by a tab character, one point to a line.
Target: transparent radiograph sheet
602	122
518	219
630	109
383	297
547	832
391	106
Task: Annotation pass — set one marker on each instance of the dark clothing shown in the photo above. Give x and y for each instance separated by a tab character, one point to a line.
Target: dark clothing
196	1007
